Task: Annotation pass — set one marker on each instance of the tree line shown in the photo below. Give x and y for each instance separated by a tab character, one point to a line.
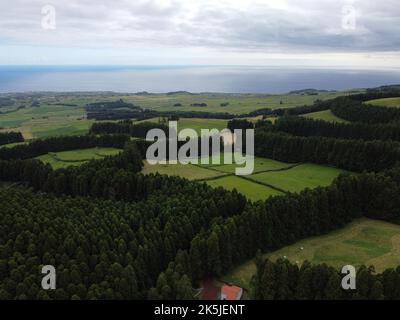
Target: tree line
10	137
161	244
284	220
282	280
351	109
114	233
354	155
128	127
101	249
64	143
111	248
304	127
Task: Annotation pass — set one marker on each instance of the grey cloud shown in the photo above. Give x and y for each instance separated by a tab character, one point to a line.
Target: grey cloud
306	26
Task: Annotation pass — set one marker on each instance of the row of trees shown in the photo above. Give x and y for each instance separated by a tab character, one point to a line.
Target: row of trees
354	155
351	109
242	124
282	280
101	249
138	130
110	105
300	126
114	250
284	220
10	137
56	144
318	105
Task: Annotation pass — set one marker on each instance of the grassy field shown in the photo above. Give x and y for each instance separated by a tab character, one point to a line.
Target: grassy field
52	119
10	145
364	241
198	124
76	157
189	171
388	102
260	165
238	103
46	121
195	123
325	115
300	177
270	177
251	190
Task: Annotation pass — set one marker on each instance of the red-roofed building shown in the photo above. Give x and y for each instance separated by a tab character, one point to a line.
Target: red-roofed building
231	293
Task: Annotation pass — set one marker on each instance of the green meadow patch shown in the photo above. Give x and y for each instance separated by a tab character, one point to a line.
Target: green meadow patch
299	177
76	157
251	190
325	115
270	177
187	171
387	102
363	242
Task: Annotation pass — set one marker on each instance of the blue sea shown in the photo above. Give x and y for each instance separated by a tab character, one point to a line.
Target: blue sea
160	79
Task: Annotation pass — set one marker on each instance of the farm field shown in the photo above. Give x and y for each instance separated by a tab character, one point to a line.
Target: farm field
195	123
11	145
198	124
270	177
300	177
260	165
76	157
251	190
52	118
238	103
189	171
363	242
388	102
46	120
325	115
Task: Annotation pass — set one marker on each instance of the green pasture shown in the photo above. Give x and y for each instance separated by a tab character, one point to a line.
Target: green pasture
363	242
76	157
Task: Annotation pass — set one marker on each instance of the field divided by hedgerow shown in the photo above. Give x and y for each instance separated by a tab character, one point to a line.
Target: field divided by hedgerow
270	177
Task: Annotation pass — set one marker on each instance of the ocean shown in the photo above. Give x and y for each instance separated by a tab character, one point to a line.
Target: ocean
161	79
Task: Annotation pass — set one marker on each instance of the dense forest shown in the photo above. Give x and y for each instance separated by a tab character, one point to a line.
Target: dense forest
42	146
354	108
169	226
282	280
353	155
304	127
114	233
138	130
117	110
167	232
10	137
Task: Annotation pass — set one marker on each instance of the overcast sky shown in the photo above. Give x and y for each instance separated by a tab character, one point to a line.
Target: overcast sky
330	33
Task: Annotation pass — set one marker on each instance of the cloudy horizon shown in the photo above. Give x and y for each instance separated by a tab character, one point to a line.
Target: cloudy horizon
309	33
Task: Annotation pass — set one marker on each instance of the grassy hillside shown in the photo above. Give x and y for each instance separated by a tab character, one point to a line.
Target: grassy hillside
388	102
364	241
325	115
46	120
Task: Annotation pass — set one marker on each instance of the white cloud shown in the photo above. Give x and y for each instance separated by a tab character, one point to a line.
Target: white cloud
206	30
